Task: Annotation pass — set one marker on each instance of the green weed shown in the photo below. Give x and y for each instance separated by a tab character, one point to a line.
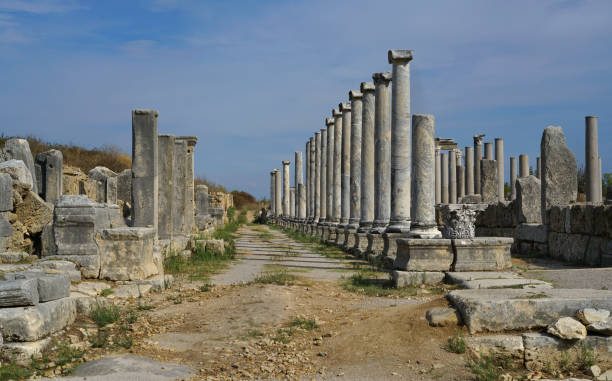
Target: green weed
484	368
104	314
456	343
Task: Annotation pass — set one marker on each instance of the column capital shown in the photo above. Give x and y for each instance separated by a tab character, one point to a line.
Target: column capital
344	106
329	121
384	77
145	112
478	138
355	94
272	172
499	139
191	140
399	56
286	162
336	113
367	86
317	133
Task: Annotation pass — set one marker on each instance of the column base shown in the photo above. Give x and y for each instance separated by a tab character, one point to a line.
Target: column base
340	236
350	240
364	227
376	245
424	232
390	244
398	226
361	244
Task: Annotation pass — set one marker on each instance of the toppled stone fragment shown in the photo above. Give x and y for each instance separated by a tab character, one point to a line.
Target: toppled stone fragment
18	171
442	317
19	149
20	292
35	323
603	327
591	315
500	346
568	328
53	287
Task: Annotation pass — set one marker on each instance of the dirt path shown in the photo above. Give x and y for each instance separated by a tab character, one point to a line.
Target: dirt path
309	329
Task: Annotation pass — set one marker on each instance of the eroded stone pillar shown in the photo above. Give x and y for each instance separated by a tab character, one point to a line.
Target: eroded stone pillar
311	184
367	157
489	151
444	175
144	168
179	194
277	190
424	173
438	176
477	159
317	178
460	182
523	165
382	151
298	179
292	202
469	171
272	193
452	177
593	176
513	178
166	186
355	178
345	203
331	126
323	181
499	158
399	221
337	181
189	183
286	196
538	168
307	183
51	170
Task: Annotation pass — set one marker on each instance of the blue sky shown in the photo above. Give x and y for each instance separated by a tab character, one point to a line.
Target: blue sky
254	79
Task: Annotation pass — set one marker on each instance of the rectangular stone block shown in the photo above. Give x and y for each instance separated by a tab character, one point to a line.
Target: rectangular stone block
361	243
6	192
88	265
127	254
415	278
22	353
577	219
488	181
35	323
531	232
376	244
423	254
559	219
19	292
390	244
482	254
53	287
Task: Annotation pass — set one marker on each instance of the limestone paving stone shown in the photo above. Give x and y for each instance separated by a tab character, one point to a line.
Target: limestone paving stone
500	346
442	317
413	278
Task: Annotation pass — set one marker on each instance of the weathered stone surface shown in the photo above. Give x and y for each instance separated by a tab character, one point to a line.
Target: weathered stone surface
6	232
558	172
13	256
22	353
505	283
512	309
461	277
529	200
19	149
131	291
543	350
158	282
144	168
424	255
20	292
482	254
53	287
568	328
216	246
6	192
34	213
459	219
127	253
62	267
35	323
89	288
531	232
18	171
442	317
130	367
559	219
88	265
578	219
499	346
488	181
471	199
603	327
51	171
414	278
592	315
124	186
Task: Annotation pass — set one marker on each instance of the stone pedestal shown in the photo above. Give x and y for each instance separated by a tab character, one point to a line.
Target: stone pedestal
144	168
340	236
350	240
482	254
390	244
367	157
424	254
361	244
382	152
376	245
165	162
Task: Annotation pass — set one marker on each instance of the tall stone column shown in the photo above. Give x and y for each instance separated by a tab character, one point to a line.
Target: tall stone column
355	179
593	177
277	190
345	208
538	168
399	221
523	165
307	183
477	158
313	165
367	157
165	162
423	177
323	180
272	192
600	177
298	179
489	151
189	222
337	205
444	167
438	179
286	196
469	171
513	178
301	194
499	158
460	182
292	202
382	151
144	168
179	193
452	177
331	127
317	178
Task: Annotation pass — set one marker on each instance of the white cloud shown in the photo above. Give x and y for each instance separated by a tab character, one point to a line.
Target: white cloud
39	6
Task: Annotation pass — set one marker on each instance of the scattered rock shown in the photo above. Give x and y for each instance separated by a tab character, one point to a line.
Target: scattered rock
568	328
591	315
595	371
606	376
601	327
442	317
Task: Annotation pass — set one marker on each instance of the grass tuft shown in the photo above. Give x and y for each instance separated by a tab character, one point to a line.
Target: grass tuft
484	368
456	343
104	314
280	277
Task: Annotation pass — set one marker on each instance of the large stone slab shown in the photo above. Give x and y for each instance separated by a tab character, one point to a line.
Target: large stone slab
35	323
497	310
53	287
483	279
500	346
528	200
415	278
482	254
423	254
23	352
376	244
20	292
19	149
531	232
127	253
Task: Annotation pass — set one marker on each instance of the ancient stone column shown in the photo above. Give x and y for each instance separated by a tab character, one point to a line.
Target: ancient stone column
323	180
189	183
538	168
277	190
355	178
272	192
477	158
345	206
286	196
367	157
499	157
513	178
331	127
311	184
307	183
337	183
202	205
51	170
460	182
438	176
600	177
292	202
144	168
423	177
523	165
488	181
382	151
178	195
444	175
317	178
452	177
469	171
298	179
593	177
302	201
399	221
165	201
489	151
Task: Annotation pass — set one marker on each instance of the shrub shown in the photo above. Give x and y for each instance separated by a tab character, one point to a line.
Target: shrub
456	343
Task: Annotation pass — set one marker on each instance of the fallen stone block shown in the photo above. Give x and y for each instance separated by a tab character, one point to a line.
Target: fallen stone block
482	254
23	353
130	291
415	278
601	327
215	246
88	265
568	328
543	350
158	282
20	292
127	253
442	317
507	346
497	310
35	323
90	288
531	232
591	315
53	287
62	267
423	254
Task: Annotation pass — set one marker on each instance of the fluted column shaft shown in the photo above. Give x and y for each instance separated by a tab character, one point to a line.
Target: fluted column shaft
298	179
499	158
367	156
444	175
382	151
286	197
323	174
477	159
345	210
452	177
438	175
513	178
593	176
